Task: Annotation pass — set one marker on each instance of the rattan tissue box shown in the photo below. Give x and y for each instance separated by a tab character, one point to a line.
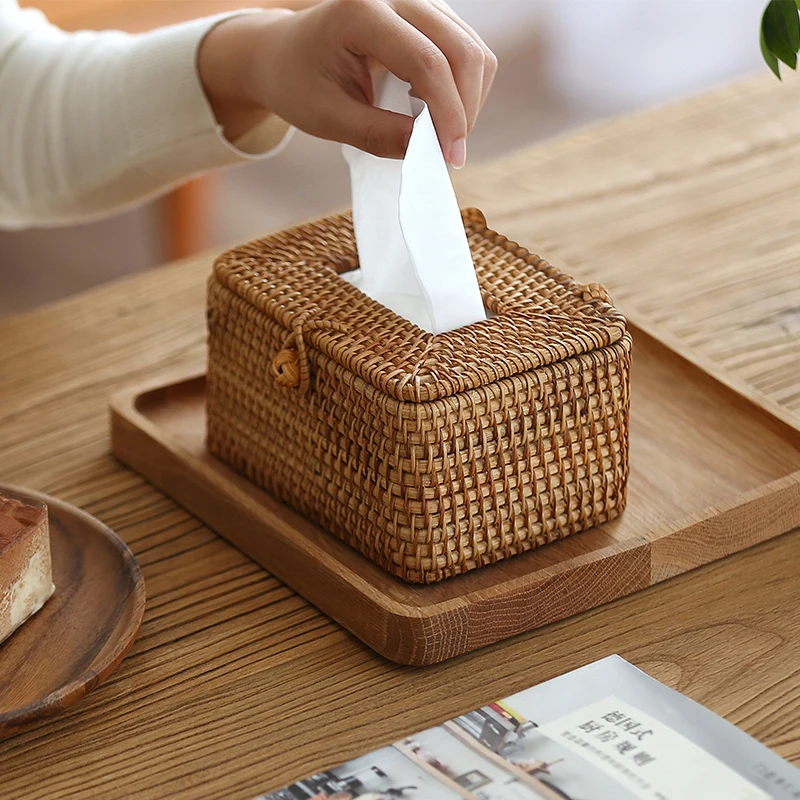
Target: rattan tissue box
431	455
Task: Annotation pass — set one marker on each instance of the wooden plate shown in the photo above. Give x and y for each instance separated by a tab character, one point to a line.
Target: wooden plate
86	627
712	473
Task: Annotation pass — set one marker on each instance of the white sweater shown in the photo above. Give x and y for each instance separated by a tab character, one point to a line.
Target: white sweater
92	122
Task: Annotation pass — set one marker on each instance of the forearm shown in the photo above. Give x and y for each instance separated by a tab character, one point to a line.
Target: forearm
227	55
93	122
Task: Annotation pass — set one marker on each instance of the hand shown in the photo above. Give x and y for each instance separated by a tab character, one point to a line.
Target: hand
313	69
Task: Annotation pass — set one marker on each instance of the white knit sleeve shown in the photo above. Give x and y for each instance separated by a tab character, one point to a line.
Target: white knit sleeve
93	122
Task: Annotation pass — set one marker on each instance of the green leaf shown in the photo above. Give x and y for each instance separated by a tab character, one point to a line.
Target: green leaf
769	57
787	11
780	27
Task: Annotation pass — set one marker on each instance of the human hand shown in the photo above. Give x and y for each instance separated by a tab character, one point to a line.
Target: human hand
313	68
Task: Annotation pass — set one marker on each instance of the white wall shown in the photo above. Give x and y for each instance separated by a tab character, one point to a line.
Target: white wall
613	55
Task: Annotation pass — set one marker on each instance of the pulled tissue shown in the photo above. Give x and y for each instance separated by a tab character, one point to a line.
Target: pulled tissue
412	248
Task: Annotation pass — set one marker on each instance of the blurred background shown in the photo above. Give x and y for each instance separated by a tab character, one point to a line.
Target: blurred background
563	64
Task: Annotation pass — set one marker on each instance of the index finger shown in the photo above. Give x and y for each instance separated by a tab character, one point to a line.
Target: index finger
490	62
379	32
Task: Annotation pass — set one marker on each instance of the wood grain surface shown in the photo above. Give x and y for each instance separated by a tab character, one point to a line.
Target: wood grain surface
235	684
84	630
710	475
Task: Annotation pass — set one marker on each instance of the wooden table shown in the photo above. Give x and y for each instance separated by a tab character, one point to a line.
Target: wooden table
236	685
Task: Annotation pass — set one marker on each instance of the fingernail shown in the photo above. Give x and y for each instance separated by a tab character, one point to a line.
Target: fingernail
458	153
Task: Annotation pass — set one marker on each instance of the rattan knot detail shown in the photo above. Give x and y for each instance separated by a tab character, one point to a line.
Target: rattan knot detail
596	291
291	367
286	368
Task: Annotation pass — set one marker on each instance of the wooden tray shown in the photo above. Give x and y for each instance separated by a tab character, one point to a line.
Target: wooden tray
83	631
712	473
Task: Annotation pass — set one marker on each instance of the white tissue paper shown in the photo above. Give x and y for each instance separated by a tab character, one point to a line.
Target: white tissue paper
412	249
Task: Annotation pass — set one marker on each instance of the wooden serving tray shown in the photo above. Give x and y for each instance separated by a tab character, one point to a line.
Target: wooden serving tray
712	473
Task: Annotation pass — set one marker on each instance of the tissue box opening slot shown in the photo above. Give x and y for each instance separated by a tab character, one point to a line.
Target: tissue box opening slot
353	275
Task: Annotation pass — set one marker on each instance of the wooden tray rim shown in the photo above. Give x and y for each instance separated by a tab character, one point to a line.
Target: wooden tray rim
61	699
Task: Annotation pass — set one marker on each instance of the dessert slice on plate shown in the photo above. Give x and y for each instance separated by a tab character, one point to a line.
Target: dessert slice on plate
26	580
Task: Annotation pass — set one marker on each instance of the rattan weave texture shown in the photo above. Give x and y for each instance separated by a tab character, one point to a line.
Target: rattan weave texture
432	455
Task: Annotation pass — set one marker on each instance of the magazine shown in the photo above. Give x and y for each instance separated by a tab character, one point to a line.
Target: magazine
606	731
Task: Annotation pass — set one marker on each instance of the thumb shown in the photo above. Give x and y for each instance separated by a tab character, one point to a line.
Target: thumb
374	130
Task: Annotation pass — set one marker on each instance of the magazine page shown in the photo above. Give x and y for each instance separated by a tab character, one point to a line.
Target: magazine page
606	731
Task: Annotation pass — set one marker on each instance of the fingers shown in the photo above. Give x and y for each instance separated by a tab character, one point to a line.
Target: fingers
422	42
490	59
350	121
377	31
464	54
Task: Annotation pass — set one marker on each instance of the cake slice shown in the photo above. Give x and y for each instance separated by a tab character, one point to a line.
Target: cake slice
26	580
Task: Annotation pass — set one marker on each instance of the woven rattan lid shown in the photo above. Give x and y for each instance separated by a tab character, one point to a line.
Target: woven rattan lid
540	316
